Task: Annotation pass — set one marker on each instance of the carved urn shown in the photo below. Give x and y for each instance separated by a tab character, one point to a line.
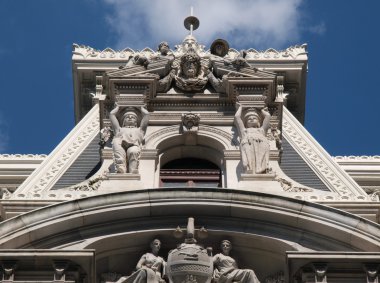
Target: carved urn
189	262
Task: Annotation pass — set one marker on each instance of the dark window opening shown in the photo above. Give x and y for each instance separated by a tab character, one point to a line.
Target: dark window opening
190	172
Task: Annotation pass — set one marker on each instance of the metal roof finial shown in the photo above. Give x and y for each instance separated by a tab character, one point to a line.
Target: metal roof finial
191	23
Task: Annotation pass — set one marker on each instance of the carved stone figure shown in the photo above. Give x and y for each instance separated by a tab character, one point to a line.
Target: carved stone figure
226	269
189	262
240	61
190	75
163	48
254	144
190	122
138	59
128	138
149	269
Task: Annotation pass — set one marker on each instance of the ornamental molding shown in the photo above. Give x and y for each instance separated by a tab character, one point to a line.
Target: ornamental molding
357	158
62	157
22	156
228	141
323	165
89	53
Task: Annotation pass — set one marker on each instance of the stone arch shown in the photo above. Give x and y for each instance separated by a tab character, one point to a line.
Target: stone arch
220	139
209	143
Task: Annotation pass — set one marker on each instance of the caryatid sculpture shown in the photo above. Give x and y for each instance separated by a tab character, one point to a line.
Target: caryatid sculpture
149	269
128	138
254	144
226	269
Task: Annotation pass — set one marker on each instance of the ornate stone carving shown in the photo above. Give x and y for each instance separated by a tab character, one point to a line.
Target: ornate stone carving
191	69
163	48
291	53
8	268
289	186
128	138
238	62
190	75
91	184
149	269
320	270
189	262
106	135
372	271
59	270
5	193
254	144
190	122
226	269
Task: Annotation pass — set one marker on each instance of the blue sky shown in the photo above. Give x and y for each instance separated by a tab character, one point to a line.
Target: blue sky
342	111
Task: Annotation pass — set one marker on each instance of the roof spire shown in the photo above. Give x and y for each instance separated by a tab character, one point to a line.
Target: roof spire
191	22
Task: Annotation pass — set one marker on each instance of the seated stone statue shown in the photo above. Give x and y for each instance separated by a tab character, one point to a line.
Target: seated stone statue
149	269
128	139
226	269
254	144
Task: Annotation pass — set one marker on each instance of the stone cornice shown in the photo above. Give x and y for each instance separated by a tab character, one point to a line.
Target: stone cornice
22	156
359	159
82	52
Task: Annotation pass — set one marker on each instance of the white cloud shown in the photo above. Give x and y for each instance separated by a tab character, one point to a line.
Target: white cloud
318	29
243	23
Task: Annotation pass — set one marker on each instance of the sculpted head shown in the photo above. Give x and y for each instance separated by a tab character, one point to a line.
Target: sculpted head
252	119
226	246
189	42
190	64
163	47
155	245
130	119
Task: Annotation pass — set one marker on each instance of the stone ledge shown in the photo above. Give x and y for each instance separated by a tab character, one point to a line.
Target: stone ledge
258	177
123	176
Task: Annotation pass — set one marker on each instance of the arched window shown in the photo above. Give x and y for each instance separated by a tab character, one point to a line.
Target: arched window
190	172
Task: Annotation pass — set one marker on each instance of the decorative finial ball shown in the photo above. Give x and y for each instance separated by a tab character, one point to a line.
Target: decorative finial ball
191	20
219	47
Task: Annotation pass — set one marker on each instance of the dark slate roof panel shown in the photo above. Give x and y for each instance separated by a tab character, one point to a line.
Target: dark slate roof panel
297	169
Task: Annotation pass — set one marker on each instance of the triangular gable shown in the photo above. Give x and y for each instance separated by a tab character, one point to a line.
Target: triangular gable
322	164
61	158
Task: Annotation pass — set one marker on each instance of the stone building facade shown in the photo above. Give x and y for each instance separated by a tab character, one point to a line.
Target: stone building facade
208	139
